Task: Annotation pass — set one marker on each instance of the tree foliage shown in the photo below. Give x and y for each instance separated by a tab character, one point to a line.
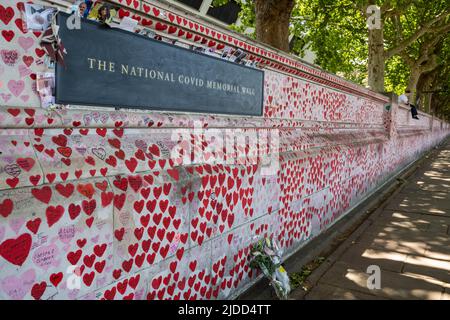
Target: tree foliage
335	32
415	37
247	16
269	18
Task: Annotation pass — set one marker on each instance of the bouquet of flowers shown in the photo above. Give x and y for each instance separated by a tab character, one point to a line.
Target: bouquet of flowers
266	256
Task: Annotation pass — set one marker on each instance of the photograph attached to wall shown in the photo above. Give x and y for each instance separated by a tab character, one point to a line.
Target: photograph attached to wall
82	8
127	24
38	17
45	86
238	56
227	52
102	12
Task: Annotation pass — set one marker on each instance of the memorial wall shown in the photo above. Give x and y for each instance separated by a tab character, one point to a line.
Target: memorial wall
148	160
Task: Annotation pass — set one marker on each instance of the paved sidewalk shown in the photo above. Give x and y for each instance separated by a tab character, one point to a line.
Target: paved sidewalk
409	240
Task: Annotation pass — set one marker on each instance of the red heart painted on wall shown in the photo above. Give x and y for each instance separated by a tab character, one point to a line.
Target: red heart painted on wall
16	250
120	154
117	273
160	27
81	242
33	225
38	290
74	211
99	250
6	207
126	265
56	278
135	182
111	161
39	52
8	35
99	266
54	214
123	13
110	294
172	29
122	286
88	260
88	278
44	194
65	191
86	190
6	14
25	163
146	22
89	206
119	234
119	200
60	140
73	257
106	197
131	164
28	60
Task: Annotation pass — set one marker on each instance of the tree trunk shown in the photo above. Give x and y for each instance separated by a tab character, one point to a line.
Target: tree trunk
424	88
376	59
412	84
272	22
421	67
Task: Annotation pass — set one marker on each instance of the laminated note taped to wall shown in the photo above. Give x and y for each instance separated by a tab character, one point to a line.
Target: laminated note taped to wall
128	24
38	17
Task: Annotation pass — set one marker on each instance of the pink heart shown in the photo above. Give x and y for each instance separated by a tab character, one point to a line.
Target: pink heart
17	287
16	87
73	294
79	229
40	118
19	149
46	256
16	224
24	71
26	43
101	282
25	98
6	97
9	57
139	294
95	239
66	234
9	159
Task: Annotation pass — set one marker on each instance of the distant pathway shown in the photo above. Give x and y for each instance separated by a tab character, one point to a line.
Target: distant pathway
409	240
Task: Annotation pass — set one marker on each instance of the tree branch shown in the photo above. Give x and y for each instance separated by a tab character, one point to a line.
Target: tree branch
389	11
430	65
428	27
409	61
398	27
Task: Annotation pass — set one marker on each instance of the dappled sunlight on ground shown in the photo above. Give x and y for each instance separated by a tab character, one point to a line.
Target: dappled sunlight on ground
409	241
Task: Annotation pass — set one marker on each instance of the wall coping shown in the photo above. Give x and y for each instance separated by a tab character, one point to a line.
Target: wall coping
22	117
170	16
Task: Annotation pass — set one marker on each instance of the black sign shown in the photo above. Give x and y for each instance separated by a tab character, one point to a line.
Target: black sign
115	68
